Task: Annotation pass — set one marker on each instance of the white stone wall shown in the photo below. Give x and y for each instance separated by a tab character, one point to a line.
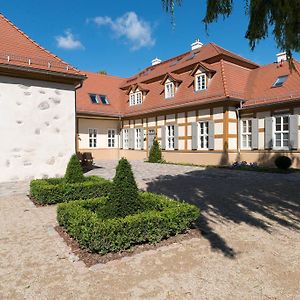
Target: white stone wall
37	128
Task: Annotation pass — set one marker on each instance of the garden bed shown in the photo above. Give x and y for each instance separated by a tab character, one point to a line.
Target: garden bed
57	190
93	225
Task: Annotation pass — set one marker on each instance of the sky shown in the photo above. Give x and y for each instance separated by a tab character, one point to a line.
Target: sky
123	36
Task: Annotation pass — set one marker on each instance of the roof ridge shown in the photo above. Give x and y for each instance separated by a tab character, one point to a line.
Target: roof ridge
35	43
224	78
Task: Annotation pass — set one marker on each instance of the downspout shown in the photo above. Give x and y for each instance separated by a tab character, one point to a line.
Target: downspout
238	129
78	86
119	144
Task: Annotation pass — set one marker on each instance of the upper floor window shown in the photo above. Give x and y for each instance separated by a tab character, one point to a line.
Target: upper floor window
135	98
96	99
203	135
281	132
169	90
92	138
111	138
280	81
170	137
246	134
200	82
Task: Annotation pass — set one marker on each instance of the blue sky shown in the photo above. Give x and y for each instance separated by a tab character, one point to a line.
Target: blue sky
123	36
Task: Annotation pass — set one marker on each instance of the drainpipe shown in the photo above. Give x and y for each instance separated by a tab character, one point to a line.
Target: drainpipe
120	127
238	129
78	86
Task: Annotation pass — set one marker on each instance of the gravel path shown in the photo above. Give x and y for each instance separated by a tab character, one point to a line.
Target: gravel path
250	247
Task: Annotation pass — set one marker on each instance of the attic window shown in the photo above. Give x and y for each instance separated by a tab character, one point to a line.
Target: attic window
280	81
97	99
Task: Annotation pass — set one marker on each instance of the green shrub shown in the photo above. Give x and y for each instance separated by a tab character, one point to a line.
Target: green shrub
56	190
94	229
155	155
283	162
74	172
124	196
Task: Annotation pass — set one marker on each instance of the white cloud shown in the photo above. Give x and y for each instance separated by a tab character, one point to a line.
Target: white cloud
68	41
129	26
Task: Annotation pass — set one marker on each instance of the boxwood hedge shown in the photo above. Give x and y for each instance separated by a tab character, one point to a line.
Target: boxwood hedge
56	190
92	224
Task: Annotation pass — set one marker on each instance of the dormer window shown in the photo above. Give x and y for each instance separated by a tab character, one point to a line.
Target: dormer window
135	98
169	90
97	99
200	82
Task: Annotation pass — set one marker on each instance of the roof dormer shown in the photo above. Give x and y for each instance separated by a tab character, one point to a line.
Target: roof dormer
171	84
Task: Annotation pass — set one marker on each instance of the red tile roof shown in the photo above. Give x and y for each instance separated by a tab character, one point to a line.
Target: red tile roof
232	77
17	49
102	85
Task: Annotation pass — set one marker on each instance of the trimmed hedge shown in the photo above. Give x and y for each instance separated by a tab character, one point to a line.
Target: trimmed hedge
74	172
56	190
283	162
155	154
92	224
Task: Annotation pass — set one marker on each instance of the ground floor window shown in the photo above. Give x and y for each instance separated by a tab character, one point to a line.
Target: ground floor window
111	135
138	138
281	132
92	138
170	137
246	134
203	135
125	139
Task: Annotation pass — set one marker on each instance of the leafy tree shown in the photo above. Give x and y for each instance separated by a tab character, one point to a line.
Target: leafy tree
155	155
282	16
74	171
124	195
103	72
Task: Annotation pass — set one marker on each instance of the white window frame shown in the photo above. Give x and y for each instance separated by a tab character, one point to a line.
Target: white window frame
132	99
170	137
125	139
138	98
138	138
281	132
246	134
111	138
92	133
203	135
169	90
200	82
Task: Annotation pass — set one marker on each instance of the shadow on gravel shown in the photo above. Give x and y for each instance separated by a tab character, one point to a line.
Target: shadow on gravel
257	199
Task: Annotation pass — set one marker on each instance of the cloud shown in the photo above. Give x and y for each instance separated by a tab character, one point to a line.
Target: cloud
129	26
68	41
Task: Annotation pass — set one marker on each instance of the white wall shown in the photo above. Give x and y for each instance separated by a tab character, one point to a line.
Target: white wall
37	128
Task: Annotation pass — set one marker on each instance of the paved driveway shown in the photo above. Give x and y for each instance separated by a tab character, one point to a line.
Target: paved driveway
250	247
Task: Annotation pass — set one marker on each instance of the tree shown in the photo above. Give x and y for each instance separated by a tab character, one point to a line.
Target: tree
283	17
124	196
74	171
155	155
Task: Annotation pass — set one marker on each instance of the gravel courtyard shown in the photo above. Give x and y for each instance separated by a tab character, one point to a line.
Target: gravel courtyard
249	249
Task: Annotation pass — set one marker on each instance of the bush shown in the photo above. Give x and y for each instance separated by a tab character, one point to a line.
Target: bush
95	229
283	162
74	172
56	190
124	196
155	155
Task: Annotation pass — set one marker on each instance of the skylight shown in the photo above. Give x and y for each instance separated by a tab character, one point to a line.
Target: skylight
280	81
96	99
191	56
175	62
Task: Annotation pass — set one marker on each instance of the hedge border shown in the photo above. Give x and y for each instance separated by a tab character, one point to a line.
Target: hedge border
163	218
56	190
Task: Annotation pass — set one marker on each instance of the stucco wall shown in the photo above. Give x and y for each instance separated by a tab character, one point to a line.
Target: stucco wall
37	129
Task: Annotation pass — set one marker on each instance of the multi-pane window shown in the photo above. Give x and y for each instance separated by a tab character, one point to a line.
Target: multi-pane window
169	90
203	135
170	137
138	98
125	138
92	138
138	138
280	81
281	132
200	82
246	134
135	98
111	138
